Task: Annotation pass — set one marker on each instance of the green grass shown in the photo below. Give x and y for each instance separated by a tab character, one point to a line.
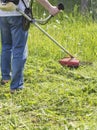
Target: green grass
55	97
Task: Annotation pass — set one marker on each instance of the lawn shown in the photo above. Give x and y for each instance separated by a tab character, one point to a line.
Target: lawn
55	97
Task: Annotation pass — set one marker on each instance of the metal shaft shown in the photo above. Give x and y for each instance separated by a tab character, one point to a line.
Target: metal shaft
49	36
41	29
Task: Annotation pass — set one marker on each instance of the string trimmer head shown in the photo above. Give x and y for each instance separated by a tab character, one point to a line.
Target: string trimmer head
69	62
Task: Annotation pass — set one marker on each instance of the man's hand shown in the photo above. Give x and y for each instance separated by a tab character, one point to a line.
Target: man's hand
10	6
53	10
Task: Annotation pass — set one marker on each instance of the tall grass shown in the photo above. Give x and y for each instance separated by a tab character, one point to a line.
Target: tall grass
77	34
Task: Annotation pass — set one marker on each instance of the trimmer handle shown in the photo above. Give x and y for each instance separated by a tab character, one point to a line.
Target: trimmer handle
60	6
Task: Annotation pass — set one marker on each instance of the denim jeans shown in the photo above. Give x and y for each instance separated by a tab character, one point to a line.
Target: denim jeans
14	50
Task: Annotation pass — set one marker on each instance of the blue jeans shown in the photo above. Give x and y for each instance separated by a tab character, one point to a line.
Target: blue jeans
14	50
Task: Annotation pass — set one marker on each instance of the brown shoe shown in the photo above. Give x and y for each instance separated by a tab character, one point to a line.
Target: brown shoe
3	82
12	91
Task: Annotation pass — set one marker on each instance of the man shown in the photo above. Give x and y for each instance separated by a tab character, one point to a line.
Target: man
14	42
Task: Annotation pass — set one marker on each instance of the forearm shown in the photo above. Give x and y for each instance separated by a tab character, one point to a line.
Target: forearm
53	10
46	4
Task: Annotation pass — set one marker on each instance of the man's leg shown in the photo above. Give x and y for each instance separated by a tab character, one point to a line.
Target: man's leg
6	49
19	52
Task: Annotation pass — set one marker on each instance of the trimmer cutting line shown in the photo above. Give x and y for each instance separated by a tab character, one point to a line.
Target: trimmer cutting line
70	61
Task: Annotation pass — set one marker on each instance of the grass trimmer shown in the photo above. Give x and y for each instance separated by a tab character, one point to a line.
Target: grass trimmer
70	61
